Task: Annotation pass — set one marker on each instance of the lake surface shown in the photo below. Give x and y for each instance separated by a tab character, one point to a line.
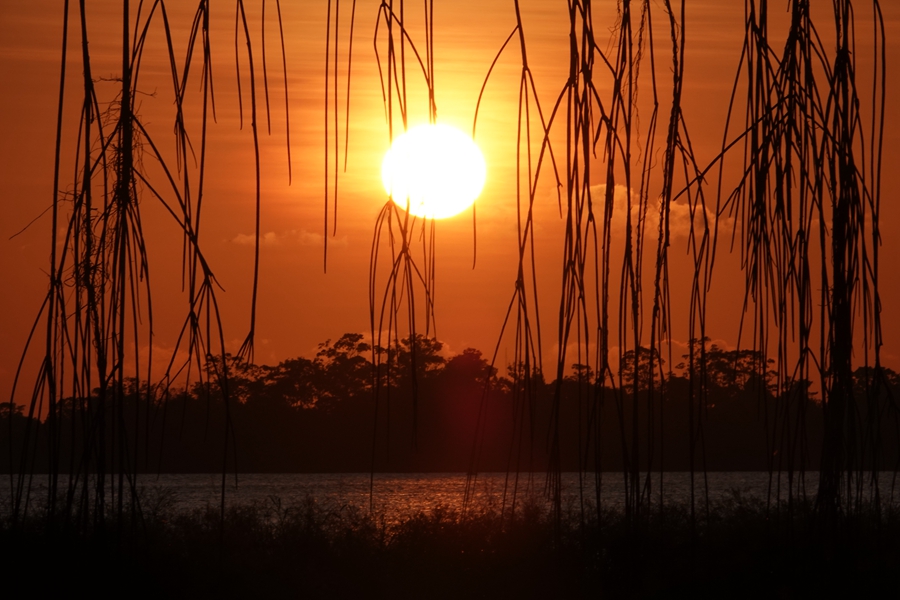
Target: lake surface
399	495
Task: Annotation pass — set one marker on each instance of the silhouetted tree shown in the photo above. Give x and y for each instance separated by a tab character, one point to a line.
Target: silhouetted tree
641	368
296	382
344	367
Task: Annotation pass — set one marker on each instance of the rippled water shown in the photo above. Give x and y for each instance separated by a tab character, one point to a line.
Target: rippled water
400	495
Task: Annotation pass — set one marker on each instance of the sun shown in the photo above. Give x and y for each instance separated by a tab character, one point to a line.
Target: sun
433	171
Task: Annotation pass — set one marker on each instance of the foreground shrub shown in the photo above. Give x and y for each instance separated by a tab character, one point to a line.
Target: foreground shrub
270	549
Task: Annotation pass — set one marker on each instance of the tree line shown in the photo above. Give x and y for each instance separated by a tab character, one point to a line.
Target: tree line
413	409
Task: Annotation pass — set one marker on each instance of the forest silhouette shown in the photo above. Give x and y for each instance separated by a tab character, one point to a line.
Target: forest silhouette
318	415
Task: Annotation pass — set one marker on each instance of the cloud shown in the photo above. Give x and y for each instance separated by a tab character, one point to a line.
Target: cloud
292	237
680	217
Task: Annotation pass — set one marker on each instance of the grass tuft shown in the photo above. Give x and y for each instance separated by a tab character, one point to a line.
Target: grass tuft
273	549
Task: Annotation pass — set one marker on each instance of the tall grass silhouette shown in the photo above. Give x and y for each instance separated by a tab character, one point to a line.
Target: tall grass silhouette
808	205
806	208
97	316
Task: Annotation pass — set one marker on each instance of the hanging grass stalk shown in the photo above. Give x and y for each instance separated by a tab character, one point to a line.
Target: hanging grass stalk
99	299
395	298
808	206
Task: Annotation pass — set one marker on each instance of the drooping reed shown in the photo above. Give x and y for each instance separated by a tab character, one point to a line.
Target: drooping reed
98	312
808	205
806	208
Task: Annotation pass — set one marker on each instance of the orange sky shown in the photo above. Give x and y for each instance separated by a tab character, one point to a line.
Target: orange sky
299	304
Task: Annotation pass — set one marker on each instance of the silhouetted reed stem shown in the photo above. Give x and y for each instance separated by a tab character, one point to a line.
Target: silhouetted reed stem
805	210
98	304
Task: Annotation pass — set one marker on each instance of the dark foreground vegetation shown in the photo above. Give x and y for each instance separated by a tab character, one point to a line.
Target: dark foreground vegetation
742	550
805	218
424	412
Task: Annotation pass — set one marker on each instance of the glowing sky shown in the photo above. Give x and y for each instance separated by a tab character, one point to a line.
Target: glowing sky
300	304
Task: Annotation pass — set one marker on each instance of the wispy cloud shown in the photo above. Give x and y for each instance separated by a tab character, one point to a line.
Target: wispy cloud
292	237
680	217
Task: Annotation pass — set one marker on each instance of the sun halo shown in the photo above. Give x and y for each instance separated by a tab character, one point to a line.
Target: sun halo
434	171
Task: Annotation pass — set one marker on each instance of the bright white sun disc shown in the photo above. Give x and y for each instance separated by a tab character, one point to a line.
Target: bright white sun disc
434	171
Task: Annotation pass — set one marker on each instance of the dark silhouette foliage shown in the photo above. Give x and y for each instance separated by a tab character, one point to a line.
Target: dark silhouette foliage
315	415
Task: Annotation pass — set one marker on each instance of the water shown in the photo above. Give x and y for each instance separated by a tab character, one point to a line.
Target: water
401	495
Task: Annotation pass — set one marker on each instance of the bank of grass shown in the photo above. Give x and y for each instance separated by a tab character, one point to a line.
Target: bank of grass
303	550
